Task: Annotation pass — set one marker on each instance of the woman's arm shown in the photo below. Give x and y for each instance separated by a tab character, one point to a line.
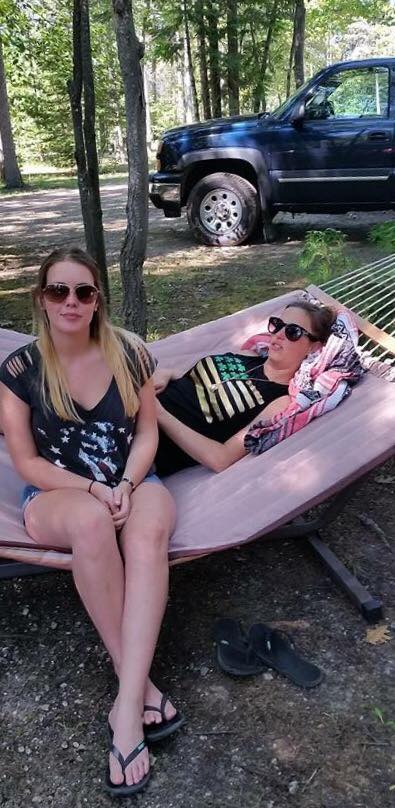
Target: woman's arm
36	470
15	417
211	453
145	441
141	455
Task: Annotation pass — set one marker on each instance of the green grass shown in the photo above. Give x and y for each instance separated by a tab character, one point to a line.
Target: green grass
177	299
49	182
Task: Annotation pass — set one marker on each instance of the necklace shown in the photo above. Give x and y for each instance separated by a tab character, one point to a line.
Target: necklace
241	377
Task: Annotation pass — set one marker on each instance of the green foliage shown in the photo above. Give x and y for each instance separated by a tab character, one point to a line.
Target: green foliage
163	116
379	714
323	255
383	235
37	44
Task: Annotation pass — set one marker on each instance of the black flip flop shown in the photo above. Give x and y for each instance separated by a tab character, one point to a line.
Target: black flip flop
275	651
123	790
234	653
157	732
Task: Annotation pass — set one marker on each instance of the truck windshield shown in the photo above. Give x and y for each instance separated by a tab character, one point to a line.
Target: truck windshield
283	108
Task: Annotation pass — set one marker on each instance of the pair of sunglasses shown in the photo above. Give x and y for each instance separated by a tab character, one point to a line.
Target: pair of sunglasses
59	292
292	331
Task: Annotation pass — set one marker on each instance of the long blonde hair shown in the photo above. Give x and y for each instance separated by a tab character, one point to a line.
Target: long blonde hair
113	343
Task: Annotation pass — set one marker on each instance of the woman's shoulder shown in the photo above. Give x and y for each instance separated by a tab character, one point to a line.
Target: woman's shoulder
23	359
138	355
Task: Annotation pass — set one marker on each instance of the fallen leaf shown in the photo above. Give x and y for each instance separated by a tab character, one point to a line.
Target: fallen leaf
377	635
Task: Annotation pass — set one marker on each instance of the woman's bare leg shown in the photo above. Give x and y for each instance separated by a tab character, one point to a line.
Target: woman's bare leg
144	541
75	520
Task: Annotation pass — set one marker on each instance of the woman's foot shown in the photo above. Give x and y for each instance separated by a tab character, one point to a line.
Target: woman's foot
153	698
128	733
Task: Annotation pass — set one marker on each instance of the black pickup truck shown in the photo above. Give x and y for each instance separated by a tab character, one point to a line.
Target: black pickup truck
328	148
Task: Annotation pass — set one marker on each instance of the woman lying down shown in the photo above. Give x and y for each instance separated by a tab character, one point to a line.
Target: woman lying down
205	416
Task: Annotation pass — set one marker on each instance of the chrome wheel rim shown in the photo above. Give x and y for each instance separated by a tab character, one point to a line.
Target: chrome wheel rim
220	211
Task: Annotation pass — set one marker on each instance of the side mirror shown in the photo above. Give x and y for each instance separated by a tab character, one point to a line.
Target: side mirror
298	114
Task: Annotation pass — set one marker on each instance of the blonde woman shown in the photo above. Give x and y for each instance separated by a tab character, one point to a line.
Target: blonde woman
78	411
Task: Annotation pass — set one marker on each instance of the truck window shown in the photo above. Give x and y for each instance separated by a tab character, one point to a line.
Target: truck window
356	93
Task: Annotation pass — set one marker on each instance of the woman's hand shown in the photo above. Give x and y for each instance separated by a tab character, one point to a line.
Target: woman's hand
122	500
161	379
105	495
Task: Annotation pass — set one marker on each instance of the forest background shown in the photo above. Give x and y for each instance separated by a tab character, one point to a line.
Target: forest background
203	58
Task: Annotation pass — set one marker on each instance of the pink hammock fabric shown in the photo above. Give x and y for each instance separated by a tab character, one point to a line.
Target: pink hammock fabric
255	495
323	380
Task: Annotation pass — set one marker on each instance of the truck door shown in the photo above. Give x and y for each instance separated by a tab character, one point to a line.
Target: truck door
341	150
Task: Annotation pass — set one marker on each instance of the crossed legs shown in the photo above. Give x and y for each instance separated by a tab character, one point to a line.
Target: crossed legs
125	598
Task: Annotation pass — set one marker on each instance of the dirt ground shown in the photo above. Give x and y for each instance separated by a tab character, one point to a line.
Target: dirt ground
259	742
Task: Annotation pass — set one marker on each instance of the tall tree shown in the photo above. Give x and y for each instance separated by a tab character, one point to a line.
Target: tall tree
214	58
189	61
203	68
11	173
130	52
82	84
299	38
261	53
233	58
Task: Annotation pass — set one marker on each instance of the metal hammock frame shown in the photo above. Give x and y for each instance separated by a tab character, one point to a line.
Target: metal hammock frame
369	292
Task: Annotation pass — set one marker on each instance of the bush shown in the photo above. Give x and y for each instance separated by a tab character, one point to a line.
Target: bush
383	235
323	254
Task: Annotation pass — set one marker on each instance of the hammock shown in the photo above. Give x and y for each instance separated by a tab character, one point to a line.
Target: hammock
258	495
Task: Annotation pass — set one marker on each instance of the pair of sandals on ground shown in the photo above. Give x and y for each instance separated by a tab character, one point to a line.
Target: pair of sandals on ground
252	653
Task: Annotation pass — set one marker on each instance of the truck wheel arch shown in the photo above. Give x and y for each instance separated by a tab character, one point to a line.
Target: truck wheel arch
247	163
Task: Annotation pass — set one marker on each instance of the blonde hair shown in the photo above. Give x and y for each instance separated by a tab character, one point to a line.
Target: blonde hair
113	342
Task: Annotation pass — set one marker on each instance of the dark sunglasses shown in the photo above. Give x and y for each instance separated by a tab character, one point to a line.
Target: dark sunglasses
292	331
59	292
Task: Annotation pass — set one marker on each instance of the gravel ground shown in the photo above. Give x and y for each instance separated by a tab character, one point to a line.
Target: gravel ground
259	742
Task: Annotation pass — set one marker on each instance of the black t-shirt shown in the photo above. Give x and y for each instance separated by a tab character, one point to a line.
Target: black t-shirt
219	396
99	447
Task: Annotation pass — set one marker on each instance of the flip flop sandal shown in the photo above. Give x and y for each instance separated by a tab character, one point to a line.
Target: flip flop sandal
123	790
277	652
157	732
233	649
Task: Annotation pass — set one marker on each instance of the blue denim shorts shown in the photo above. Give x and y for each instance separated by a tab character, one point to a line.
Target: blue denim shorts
31	491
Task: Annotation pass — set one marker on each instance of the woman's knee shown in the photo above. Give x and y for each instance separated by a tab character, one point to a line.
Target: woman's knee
93	531
146	542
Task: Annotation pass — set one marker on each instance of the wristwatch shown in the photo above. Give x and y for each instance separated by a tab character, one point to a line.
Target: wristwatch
126	479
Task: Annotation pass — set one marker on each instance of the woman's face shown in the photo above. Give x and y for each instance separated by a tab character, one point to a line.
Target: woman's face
285	353
70	316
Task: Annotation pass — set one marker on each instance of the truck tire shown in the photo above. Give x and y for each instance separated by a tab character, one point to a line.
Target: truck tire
222	210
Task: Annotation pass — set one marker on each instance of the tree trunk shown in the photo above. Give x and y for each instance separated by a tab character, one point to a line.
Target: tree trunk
147	106
233	59
192	82
299	33
204	83
259	93
130	52
215	77
266	51
85	139
95	244
11	173
290	64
